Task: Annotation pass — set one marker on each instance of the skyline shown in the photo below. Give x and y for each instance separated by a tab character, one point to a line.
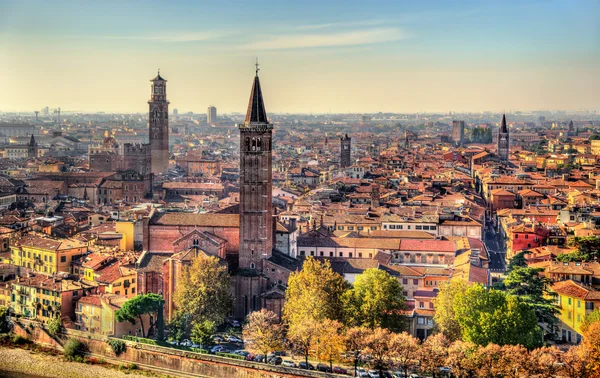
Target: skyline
349	58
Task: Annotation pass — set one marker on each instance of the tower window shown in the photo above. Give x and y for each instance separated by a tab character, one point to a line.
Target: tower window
252	266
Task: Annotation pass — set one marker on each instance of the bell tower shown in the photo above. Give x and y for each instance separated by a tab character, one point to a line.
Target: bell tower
256	164
158	120
503	141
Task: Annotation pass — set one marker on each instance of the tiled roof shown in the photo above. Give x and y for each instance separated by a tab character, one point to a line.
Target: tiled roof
191	219
427	245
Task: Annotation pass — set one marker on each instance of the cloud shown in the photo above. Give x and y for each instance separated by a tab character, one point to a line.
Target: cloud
341	24
167	37
350	38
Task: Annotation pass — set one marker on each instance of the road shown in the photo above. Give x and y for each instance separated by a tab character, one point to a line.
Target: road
496	250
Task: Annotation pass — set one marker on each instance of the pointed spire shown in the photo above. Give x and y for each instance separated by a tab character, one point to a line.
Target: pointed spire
256	106
32	141
158	77
503	128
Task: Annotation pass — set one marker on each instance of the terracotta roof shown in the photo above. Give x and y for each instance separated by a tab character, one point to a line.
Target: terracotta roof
573	289
191	219
427	245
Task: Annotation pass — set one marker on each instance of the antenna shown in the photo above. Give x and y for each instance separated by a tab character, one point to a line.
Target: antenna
257	68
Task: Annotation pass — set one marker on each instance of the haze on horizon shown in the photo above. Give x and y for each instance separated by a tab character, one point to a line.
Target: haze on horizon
315	56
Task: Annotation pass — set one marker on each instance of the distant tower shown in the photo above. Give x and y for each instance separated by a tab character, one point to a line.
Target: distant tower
211	114
37	115
458	132
57	112
159	125
406	144
32	148
256	163
175	112
345	151
571	131
503	140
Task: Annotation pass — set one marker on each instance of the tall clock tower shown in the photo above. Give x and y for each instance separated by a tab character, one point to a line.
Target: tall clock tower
159	125
256	163
503	141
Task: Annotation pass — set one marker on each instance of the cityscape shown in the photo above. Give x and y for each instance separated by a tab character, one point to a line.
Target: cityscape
212	200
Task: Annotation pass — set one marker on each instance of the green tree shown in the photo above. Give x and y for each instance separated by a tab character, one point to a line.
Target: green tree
203	331
375	300
445	317
592	317
492	316
144	304
54	326
4	322
314	293
75	350
588	247
179	327
532	288
203	291
517	260
263	333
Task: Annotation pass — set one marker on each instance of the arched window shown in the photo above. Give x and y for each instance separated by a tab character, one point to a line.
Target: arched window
254	303
253	144
252	265
247	143
259	144
245	304
196	243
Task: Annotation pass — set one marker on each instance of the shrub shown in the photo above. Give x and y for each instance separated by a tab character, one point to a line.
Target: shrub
118	346
75	350
18	340
54	326
199	350
4	323
132	366
230	355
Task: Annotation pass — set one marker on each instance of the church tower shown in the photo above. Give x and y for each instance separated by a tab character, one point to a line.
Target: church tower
503	141
345	151
32	148
159	125
256	163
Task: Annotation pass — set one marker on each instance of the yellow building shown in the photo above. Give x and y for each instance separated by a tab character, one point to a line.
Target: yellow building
126	229
96	314
46	255
575	301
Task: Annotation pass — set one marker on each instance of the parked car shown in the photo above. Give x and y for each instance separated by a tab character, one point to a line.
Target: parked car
399	374
217	349
363	374
250	357
414	375
217	339
259	358
339	370
373	374
234	339
445	369
275	360
288	363
304	365
323	368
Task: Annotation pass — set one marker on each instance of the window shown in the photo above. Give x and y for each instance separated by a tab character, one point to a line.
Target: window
252	265
312	253
359	254
405	281
321	253
350	254
421	304
331	254
341	254
431	305
63	259
526	236
415	282
418	227
569	301
420	320
302	253
578	303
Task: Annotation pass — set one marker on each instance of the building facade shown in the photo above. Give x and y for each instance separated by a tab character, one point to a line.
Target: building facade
211	114
345	151
458	132
159	125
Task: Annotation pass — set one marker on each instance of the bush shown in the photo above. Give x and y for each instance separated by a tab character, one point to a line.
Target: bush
230	355
199	350
132	366
118	346
54	326
18	340
75	350
4	323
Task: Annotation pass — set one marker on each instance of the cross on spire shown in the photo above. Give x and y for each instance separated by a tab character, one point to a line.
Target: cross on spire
256	64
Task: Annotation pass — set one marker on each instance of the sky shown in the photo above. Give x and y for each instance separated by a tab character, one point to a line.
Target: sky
315	56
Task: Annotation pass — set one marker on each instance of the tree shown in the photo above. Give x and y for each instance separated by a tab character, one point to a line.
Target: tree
314	293
404	350
543	362
302	334
591	346
75	350
574	363
179	327
514	361
54	326
488	360
355	343
150	304
532	289
263	333
4	321
329	342
445	318
377	344
203	291
588	247
517	260
434	352
492	316
375	300
203	331
461	359
592	317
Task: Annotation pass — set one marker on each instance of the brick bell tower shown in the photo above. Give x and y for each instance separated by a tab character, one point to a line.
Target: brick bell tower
256	163
158	120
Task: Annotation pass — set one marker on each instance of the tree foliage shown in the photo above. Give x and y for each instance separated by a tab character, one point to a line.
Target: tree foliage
375	300
532	288
481	135
592	317
203	291
263	333
203	331
434	352
144	304
492	316
54	326
329	342
75	350
4	322
118	346
445	317
591	345
587	249
314	293
404	350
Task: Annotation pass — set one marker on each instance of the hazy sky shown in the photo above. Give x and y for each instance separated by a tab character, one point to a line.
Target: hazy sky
315	56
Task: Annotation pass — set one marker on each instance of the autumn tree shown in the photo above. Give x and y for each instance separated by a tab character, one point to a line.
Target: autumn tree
590	318
302	334
574	363
377	344
144	304
434	352
492	316
329	341
489	361
543	362
263	332
514	360
445	318
591	346
314	293
203	292
404	350
375	300
355	344
461	359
